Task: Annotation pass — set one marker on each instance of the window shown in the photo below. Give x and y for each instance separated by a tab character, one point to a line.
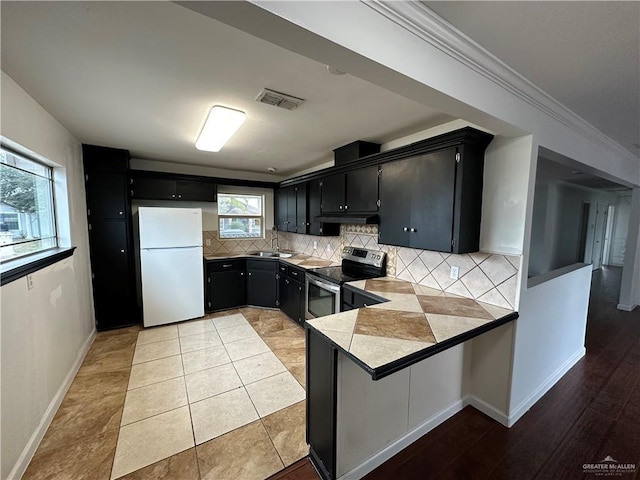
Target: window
240	216
27	219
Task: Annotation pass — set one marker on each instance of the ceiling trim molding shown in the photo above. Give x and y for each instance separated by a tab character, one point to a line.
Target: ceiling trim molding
427	25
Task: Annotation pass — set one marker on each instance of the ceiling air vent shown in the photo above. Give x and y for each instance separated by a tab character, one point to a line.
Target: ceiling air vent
278	99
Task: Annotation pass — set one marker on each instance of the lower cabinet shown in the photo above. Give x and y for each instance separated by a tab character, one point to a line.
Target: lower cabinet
262	283
292	292
226	286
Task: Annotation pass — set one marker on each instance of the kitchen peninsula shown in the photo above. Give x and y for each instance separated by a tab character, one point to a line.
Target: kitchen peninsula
374	379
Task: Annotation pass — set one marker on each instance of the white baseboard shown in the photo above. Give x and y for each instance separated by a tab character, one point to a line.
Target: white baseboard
627	308
32	445
537	394
487	409
403	442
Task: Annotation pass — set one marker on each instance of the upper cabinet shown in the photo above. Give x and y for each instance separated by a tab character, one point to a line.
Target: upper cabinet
161	186
291	209
351	192
432	201
316	227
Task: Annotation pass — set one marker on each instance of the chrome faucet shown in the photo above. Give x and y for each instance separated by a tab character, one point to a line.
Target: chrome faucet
274	239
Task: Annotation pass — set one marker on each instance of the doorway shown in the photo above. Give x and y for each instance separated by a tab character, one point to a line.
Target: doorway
599	235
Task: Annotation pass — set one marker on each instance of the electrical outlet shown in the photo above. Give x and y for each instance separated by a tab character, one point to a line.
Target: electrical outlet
29	282
455	271
315	244
207	242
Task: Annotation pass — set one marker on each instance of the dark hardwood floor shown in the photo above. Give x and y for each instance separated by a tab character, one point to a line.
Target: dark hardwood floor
591	413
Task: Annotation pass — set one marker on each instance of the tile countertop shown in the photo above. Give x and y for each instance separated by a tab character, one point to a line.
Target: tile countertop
415	323
298	259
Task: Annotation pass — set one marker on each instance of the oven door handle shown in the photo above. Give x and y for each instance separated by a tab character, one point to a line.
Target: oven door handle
326	285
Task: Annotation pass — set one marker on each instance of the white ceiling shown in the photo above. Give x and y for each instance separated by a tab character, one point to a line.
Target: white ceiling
584	54
143	76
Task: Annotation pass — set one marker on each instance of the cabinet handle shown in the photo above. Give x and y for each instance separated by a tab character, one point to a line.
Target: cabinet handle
346	207
249	273
340	207
122	251
227	265
295	274
179	196
414	230
405	229
242	274
119	213
286	281
173	196
366	305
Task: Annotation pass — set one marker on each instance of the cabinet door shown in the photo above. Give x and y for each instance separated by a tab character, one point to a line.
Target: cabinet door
314	210
195	191
153	188
281	209
228	289
261	288
114	297
106	194
302	223
291	209
362	190
431	224
333	193
396	183
301	296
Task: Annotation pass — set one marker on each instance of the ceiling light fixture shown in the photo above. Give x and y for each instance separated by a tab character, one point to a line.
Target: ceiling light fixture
271	169
220	126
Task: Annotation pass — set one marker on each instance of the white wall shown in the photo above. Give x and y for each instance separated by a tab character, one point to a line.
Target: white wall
549	336
620	229
46	330
630	288
504	194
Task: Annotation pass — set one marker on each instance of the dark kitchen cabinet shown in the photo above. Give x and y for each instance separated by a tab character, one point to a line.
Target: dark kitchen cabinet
165	186
333	188
226	284
316	227
292	292
262	283
355	191
291	209
432	201
110	237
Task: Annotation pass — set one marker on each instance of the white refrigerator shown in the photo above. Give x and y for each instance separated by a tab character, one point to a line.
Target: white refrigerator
171	264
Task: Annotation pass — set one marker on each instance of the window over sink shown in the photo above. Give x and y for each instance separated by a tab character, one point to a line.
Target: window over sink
240	216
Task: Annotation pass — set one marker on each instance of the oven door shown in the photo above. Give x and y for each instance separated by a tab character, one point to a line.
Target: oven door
322	297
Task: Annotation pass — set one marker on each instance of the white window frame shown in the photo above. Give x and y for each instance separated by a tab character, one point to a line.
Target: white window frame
53	239
261	217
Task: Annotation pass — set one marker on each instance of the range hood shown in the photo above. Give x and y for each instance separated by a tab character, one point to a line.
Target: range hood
350	218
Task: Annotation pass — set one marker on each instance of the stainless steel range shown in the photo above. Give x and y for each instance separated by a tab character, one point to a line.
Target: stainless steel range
323	284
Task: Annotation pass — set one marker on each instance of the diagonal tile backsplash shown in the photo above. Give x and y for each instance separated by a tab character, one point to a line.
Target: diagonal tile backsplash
487	277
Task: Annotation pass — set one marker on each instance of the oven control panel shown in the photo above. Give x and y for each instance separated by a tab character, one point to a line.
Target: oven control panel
364	256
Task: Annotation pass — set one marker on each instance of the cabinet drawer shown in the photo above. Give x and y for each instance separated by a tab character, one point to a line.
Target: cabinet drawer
263	265
224	265
296	273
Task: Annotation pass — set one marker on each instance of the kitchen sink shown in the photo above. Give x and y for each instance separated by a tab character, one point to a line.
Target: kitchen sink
272	254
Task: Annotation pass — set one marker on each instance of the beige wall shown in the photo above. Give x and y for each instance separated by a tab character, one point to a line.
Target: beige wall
44	331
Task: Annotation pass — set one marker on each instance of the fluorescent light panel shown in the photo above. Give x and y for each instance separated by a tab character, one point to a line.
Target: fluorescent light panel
220	126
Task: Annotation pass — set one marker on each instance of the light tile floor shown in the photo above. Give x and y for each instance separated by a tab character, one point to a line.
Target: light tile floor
217	398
